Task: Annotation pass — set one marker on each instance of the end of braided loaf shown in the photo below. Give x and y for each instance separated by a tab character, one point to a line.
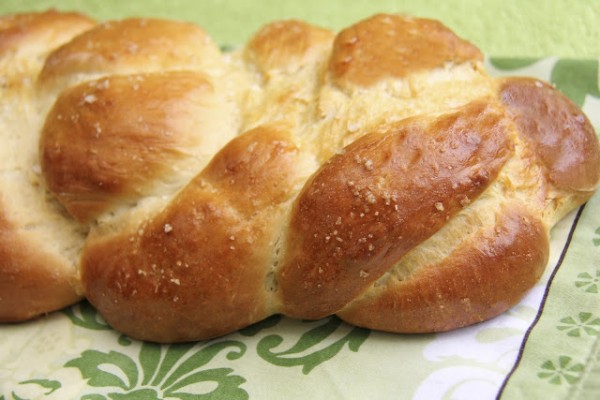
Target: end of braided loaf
378	174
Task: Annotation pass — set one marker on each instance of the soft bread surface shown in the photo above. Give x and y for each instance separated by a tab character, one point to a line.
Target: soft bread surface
379	174
39	243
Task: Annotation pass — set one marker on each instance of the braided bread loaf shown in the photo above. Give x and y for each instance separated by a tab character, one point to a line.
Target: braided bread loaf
378	174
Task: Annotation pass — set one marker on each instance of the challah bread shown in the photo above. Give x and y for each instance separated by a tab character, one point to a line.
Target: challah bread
39	243
378	174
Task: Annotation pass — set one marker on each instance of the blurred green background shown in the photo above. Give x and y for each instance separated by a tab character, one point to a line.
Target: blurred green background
503	28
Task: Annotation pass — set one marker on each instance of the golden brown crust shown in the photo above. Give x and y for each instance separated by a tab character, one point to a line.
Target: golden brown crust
382	196
380	174
19	32
557	130
108	141
393	46
36	276
32	281
26	40
129	46
198	269
287	45
485	276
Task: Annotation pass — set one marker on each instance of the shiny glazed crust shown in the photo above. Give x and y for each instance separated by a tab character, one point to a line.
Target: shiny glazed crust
378	174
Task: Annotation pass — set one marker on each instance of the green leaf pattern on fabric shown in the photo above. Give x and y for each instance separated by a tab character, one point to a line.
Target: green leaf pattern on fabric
588	282
84	315
295	355
596	240
561	371
162	371
584	323
181	371
51	385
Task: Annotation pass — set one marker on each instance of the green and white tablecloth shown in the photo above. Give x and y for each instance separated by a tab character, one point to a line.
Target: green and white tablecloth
546	347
